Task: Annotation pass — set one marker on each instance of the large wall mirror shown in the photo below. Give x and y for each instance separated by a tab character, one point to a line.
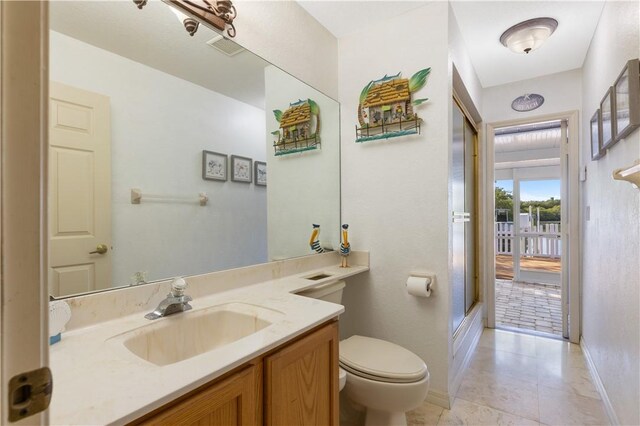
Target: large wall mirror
154	137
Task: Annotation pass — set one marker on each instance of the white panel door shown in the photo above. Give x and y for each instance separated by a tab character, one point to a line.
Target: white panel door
79	191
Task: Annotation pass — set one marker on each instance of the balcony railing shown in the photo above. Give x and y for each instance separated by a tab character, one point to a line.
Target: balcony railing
540	241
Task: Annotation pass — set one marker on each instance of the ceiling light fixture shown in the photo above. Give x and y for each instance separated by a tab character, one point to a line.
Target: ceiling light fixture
528	35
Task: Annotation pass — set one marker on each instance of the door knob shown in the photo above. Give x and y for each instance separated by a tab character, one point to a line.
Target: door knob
100	249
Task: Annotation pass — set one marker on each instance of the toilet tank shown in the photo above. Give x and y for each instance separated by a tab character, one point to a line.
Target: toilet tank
330	292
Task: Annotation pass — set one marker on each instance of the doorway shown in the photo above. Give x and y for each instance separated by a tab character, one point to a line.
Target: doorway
532	273
528	253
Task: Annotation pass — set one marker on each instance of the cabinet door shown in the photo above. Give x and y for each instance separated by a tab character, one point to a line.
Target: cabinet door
301	381
232	401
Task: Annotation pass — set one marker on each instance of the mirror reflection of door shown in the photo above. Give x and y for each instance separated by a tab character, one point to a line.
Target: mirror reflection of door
79	191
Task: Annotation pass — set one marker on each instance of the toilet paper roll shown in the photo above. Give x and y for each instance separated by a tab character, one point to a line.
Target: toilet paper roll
419	286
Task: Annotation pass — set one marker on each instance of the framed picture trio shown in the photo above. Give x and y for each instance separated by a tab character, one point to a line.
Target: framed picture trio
619	112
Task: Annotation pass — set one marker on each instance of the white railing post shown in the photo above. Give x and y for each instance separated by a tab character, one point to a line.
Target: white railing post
543	243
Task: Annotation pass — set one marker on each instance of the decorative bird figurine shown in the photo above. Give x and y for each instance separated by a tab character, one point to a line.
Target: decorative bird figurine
345	247
314	241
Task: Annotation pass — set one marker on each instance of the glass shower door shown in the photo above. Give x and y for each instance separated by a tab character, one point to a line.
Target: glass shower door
463	228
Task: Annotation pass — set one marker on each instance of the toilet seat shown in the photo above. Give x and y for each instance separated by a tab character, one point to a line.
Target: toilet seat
379	360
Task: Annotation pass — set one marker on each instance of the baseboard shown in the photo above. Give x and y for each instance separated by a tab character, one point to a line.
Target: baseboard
597	382
438	398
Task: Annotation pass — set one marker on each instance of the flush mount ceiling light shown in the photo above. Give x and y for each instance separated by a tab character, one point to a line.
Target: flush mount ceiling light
528	35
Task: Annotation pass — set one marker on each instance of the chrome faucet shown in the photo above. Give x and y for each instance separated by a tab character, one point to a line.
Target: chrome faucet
175	302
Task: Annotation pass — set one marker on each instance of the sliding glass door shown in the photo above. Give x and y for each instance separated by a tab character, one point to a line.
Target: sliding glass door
463	168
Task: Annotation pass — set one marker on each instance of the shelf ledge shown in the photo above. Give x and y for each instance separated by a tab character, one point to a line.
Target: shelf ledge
630	174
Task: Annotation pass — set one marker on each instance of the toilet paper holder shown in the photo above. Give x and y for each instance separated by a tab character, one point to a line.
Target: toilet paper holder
430	278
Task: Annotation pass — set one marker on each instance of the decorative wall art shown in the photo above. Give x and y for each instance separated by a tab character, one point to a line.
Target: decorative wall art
260	172
241	169
607	119
299	128
386	110
214	166
527	102
627	100
596	137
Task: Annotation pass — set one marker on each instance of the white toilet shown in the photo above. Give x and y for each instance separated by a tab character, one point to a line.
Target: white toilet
387	379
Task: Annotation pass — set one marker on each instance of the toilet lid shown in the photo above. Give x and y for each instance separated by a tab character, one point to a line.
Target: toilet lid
378	359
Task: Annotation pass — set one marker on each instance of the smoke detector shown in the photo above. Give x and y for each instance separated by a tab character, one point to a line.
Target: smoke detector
224	45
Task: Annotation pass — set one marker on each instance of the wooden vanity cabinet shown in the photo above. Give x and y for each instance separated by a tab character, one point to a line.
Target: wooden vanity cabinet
234	400
301	381
295	384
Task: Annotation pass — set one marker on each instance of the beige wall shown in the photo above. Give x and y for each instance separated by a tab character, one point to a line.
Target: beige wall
395	192
284	34
561	91
611	259
462	61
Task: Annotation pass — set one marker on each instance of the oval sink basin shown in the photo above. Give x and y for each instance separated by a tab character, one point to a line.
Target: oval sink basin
185	335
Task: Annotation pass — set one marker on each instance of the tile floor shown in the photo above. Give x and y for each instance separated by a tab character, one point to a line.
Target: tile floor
518	379
529	306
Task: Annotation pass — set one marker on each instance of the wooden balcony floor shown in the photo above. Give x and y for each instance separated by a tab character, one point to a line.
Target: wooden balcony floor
504	265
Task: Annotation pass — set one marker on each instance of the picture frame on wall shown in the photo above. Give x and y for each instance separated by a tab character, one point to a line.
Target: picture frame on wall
260	173
214	166
608	119
241	170
596	137
627	100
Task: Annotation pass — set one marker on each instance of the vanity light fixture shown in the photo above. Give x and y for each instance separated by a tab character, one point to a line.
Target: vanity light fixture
190	24
528	35
218	14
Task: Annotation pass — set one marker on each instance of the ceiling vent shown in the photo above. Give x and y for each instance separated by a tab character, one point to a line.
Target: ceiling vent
224	45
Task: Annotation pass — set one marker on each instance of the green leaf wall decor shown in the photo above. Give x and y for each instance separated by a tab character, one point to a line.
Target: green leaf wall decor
419	79
315	109
365	91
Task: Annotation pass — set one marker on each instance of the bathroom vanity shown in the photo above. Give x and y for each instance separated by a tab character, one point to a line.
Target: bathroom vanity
296	383
251	351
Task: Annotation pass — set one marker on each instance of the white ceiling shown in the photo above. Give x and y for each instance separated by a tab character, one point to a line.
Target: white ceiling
342	18
482	22
154	37
540	139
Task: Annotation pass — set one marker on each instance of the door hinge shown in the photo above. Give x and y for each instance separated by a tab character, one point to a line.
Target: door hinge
29	393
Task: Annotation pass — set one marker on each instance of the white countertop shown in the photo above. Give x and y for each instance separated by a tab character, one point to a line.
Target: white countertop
96	380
